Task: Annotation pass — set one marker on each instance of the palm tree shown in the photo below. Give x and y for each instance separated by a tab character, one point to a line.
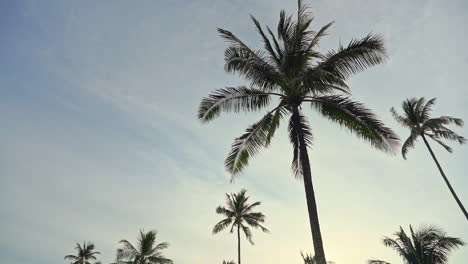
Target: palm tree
417	118
309	259
85	253
292	70
229	262
239	215
146	250
428	245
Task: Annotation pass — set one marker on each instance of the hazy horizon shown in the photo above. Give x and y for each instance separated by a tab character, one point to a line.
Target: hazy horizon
100	138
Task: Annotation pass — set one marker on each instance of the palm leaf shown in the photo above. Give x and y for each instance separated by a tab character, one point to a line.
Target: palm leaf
255	137
232	99
358	119
299	131
359	55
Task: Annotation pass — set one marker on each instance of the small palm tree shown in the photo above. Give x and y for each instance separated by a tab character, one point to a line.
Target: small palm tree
428	245
310	259
85	253
146	250
229	262
239	215
417	118
292	70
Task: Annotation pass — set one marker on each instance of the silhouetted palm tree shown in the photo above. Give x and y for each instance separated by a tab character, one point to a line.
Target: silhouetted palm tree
428	245
292	70
146	250
417	118
85	253
239	215
309	259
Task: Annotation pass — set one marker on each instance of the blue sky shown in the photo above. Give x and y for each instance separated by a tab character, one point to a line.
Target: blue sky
99	136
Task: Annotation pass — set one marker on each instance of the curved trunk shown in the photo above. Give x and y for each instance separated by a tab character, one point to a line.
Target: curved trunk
311	203
238	245
445	178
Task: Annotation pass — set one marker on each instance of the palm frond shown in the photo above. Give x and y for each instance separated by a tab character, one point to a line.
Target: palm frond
376	261
409	144
256	223
247	233
249	208
278	49
321	33
232	99
253	65
358	119
159	260
70	257
285	31
255	137
275	123
226	212
221	225
274	57
359	55
440	142
425	112
401	119
435	123
320	81
299	131
445	133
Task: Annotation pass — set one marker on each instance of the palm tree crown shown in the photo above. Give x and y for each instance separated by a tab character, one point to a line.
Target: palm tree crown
293	71
417	118
146	251
428	245
85	253
239	215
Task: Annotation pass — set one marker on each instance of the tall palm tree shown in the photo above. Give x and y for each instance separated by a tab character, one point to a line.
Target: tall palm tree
428	245
292	70
146	250
85	253
239	215
417	118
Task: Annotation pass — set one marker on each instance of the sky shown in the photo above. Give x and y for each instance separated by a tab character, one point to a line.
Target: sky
99	136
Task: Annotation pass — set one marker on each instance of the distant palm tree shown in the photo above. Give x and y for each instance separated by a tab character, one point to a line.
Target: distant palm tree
417	118
85	253
428	245
292	70
309	259
229	262
146	250
239	215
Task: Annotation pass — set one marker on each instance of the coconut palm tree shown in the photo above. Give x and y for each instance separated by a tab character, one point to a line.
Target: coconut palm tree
85	253
428	245
310	259
417	118
293	71
146	250
239	215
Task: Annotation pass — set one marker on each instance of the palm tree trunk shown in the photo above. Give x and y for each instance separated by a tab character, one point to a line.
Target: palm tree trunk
238	245
445	178
311	203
